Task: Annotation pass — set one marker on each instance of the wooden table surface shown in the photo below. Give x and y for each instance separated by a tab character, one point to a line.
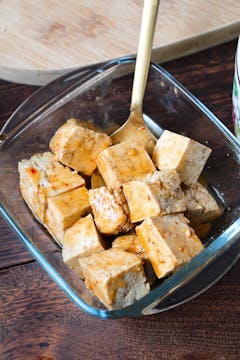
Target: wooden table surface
37	321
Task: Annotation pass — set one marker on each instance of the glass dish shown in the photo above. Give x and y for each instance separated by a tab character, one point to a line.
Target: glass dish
103	95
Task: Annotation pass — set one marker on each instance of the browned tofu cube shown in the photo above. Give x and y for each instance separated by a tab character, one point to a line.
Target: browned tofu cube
80	240
168	242
130	243
97	180
116	277
123	162
64	209
42	177
201	206
186	156
110	210
78	147
157	193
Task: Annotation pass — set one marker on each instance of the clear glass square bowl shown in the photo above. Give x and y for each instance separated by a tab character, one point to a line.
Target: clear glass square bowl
102	95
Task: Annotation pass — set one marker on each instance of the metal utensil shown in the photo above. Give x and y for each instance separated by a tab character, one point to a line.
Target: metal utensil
135	128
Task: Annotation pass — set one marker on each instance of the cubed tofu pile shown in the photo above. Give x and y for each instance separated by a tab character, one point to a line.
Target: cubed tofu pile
146	205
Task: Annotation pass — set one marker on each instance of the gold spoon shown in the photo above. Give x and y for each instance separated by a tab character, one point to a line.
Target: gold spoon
135	128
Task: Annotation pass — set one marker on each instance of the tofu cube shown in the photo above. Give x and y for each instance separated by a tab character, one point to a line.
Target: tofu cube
123	162
186	156
41	177
115	277
97	180
80	240
168	242
157	193
201	206
110	210
78	147
130	243
64	209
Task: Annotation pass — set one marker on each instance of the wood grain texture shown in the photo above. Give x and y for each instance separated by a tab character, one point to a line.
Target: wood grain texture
12	251
38	322
49	36
209	76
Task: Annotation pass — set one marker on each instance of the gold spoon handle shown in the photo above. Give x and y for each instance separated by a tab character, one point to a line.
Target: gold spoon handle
149	17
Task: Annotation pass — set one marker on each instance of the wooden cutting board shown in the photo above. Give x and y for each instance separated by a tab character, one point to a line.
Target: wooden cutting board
39	39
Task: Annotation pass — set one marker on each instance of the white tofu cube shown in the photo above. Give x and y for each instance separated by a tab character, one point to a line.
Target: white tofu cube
64	209
78	147
115	277
80	240
168	242
201	206
121	163
186	156
157	193
41	177
110	210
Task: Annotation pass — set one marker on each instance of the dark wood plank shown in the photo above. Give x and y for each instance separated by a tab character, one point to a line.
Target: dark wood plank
39	322
209	76
12	250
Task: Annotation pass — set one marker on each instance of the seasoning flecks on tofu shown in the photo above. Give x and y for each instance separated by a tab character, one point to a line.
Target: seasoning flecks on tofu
186	156
130	243
123	162
78	147
64	209
116	277
155	193
150	209
42	177
201	206
168	241
80	240
110	210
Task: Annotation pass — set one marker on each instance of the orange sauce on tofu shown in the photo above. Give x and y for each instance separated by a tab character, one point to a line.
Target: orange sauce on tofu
33	171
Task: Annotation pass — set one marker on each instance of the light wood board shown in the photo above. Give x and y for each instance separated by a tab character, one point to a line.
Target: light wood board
40	39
